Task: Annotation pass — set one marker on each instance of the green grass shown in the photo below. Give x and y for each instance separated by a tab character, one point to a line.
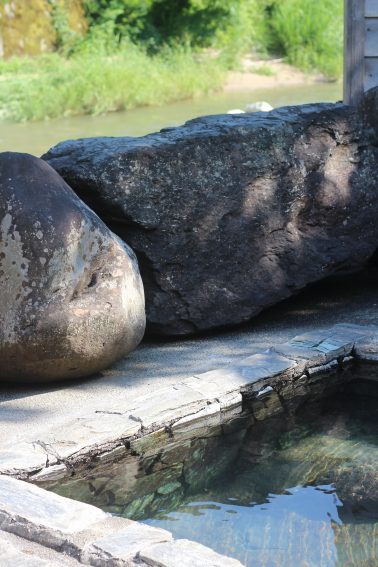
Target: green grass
263	70
99	74
52	86
310	34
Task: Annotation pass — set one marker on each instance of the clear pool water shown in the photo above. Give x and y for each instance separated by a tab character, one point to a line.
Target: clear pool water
296	491
313	501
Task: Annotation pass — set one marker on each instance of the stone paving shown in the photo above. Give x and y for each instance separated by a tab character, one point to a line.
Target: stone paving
27	412
88	535
66	532
217	393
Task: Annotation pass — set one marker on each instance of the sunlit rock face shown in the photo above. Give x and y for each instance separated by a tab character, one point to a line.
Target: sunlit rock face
72	300
231	214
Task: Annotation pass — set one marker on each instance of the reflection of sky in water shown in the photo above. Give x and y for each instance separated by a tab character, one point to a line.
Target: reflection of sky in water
289	530
298	493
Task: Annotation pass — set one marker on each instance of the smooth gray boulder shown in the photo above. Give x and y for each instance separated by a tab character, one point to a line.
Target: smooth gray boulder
72	299
231	214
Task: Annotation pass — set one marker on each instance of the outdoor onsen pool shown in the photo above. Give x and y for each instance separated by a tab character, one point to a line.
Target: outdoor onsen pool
299	488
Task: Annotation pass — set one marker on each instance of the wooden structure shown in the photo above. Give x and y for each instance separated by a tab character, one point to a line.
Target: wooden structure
361	48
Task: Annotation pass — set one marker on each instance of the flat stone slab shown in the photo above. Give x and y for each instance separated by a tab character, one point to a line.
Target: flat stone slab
185	553
24	457
10	555
85	534
320	347
204	399
199	424
44	517
97	429
167	405
235	378
51	473
124	546
18	552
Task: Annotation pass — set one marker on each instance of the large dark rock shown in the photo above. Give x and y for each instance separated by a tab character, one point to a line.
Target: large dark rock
71	295
369	112
231	214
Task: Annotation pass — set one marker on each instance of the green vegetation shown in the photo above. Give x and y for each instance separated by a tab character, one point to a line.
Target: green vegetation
263	70
310	34
143	52
52	86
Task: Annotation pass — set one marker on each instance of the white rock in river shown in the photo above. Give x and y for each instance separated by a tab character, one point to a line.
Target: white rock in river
236	111
260	106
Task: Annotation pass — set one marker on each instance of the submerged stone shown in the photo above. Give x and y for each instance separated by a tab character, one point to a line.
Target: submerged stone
71	295
231	214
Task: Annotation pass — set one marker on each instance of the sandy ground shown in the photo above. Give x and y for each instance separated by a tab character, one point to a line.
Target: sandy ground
27	412
267	74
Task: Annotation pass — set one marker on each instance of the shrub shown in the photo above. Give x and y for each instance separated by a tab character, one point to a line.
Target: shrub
309	33
88	84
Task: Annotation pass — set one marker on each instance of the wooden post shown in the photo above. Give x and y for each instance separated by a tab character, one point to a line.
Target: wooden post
360	48
371	44
354	50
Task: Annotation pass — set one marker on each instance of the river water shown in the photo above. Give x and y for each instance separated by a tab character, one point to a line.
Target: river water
37	137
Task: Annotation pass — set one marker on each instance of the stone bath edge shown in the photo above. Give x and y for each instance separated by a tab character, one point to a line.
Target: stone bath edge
213	397
78	533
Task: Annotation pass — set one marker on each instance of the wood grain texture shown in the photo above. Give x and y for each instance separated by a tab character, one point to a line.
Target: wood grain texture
354	45
371	72
371	8
371	37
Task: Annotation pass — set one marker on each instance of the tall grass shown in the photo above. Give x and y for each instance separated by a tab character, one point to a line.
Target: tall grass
53	86
310	34
106	71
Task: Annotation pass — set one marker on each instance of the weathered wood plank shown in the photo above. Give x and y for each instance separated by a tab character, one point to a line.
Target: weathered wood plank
371	72
371	37
354	39
371	8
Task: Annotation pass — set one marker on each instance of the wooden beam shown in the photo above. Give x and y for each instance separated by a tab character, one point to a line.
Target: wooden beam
371	37
354	44
371	8
371	69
